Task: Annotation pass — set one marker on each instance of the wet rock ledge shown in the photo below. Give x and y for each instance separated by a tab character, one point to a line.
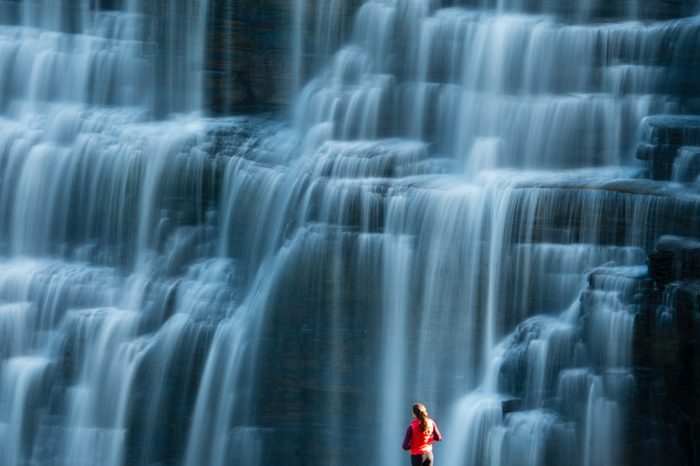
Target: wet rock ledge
665	422
666	140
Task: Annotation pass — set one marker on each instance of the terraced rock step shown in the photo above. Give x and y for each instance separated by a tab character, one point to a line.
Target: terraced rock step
674	258
663	141
672	129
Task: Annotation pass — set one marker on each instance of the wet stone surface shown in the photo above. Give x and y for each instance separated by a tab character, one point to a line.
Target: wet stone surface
663	138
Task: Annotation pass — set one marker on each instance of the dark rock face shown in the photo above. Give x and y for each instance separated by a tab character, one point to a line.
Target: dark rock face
246	59
665	427
660	159
672	129
249	51
664	136
674	259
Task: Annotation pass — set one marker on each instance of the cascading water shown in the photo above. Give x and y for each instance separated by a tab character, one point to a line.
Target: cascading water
453	215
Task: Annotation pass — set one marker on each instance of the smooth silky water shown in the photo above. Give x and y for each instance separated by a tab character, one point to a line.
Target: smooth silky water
184	290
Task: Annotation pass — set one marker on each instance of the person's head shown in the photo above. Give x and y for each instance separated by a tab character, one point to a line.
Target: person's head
421	414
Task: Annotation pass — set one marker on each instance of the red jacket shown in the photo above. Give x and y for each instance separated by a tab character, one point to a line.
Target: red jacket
419	442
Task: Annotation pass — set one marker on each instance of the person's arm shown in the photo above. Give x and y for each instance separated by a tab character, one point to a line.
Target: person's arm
407	439
436	433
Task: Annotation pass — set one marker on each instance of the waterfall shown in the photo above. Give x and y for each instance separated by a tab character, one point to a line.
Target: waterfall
466	204
144	55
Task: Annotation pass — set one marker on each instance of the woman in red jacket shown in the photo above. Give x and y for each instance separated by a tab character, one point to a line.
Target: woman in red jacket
420	435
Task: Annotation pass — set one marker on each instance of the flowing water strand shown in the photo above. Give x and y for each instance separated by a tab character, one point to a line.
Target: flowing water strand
24	380
96	432
298	49
686	167
225	386
399	265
